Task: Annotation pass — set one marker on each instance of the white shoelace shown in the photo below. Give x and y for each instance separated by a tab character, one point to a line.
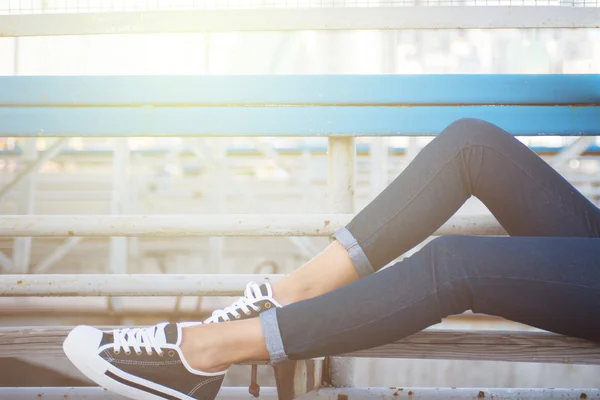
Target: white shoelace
137	338
251	294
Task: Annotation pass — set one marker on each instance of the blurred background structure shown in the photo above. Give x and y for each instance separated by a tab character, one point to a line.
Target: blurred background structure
248	175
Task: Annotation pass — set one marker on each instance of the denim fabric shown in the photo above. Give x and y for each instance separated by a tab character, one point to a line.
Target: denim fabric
270	327
355	252
546	274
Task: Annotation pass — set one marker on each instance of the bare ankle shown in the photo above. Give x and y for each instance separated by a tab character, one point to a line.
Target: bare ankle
330	270
198	351
284	296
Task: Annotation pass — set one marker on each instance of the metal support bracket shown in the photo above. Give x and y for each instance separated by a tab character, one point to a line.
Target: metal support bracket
295	378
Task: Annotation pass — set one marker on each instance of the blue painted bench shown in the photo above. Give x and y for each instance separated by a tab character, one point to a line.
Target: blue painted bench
381	105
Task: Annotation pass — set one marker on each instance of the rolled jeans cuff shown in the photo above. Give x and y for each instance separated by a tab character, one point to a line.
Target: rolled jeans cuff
357	255
270	327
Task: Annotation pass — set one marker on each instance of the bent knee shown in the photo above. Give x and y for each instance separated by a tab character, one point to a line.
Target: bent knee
473	131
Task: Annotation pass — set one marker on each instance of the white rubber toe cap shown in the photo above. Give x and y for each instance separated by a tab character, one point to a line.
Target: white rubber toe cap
84	337
81	346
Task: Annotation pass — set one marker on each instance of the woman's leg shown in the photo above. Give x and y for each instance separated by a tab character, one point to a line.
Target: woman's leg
470	157
329	270
549	283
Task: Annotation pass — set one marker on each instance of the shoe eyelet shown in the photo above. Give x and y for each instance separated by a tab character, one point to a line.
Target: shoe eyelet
247	313
128	353
116	351
267	305
171	353
239	316
161	354
259	308
139	353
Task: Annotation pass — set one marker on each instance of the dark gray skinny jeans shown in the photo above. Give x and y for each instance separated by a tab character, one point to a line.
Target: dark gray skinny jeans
546	274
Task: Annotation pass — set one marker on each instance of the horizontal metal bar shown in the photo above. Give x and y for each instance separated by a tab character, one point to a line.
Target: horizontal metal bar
209	225
347	18
129	285
290	121
98	393
299	89
387	393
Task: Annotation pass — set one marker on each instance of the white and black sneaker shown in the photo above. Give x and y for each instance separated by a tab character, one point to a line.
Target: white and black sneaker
140	363
257	298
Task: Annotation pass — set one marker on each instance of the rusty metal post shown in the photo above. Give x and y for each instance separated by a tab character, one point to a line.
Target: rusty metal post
254	388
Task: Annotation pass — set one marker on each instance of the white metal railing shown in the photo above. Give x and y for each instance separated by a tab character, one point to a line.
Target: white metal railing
100	6
216	225
129	285
442	17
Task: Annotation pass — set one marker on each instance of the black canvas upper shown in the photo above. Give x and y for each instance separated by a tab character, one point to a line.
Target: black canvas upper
263	304
167	370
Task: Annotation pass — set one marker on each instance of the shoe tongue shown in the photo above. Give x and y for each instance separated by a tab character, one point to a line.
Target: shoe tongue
265	290
171	333
166	333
